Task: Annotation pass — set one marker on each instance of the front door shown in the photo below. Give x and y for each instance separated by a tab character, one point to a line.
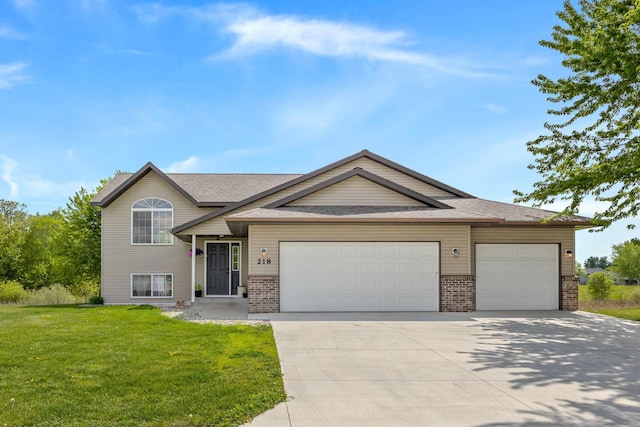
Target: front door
218	269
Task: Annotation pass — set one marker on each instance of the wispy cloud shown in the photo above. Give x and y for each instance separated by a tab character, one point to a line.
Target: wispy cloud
24	4
188	165
10	33
11	74
8	166
254	32
499	109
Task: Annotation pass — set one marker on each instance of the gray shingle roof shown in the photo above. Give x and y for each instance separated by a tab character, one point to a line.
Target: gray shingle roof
211	188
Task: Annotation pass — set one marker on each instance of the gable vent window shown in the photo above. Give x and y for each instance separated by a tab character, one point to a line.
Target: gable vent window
151	222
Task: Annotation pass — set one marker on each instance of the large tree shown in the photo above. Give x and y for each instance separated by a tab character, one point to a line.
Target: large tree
593	148
13	230
626	259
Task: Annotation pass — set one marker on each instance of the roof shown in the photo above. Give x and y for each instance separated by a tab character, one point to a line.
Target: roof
232	192
202	189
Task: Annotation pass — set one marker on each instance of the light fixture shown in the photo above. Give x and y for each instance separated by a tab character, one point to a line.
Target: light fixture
568	253
455	251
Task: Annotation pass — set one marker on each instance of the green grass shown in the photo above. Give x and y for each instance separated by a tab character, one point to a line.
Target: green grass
624	313
131	366
623	302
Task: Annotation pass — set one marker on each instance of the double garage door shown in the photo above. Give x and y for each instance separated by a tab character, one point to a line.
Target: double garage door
403	276
359	276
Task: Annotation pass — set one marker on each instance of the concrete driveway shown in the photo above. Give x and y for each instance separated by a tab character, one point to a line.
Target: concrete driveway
437	369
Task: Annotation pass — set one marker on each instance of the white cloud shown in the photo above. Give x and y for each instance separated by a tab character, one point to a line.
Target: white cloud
256	32
495	108
23	4
11	73
10	33
188	165
8	166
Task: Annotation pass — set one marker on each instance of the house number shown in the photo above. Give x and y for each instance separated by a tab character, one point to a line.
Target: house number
264	260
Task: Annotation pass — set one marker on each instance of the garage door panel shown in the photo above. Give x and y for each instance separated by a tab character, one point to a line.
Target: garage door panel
517	277
363	276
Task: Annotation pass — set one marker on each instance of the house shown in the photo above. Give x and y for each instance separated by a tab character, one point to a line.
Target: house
361	234
590	270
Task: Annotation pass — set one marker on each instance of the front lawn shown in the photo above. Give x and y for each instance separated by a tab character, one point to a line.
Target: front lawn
131	366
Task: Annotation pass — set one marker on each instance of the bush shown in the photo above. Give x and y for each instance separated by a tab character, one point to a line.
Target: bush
54	294
599	285
96	300
12	292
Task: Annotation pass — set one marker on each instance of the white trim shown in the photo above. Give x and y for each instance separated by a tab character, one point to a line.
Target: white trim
131	210
151	274
206	262
194	254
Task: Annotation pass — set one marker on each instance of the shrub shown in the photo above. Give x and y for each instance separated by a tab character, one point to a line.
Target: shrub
12	292
599	285
54	294
96	300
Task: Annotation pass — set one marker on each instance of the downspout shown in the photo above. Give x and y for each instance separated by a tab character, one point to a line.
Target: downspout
193	268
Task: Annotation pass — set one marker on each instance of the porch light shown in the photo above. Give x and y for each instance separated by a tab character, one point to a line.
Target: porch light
568	253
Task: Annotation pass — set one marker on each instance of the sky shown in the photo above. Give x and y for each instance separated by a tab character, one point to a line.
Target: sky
91	87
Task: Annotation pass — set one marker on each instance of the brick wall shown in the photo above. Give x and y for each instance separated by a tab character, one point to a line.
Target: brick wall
263	294
457	293
569	293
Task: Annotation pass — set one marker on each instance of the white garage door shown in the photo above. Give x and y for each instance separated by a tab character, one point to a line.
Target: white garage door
517	277
358	276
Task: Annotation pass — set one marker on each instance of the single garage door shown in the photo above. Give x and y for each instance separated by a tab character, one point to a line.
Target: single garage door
517	277
359	276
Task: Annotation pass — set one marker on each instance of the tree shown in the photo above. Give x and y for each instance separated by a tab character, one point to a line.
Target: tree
595	262
39	258
580	271
13	230
79	240
626	259
594	147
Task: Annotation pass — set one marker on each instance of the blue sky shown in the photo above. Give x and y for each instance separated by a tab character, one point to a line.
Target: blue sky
88	87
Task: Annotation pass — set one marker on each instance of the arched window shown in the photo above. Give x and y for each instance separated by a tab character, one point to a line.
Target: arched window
151	222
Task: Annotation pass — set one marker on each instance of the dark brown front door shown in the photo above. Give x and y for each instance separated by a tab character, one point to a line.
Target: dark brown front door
217	269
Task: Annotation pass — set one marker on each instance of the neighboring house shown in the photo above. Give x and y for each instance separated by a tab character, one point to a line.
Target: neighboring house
361	234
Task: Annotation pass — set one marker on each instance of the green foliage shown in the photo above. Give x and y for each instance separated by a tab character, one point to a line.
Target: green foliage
626	260
13	229
79	241
96	300
593	150
580	271
594	262
599	285
53	295
12	292
114	366
84	288
38	261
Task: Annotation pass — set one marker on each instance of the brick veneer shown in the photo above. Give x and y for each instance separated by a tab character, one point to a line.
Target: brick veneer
457	293
263	294
569	293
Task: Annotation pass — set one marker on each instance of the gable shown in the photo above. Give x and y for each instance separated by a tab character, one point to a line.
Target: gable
365	160
355	191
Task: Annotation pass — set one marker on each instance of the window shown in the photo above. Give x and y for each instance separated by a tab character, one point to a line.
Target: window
151	222
235	258
152	285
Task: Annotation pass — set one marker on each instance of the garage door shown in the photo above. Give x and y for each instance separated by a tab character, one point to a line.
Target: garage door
358	276
517	277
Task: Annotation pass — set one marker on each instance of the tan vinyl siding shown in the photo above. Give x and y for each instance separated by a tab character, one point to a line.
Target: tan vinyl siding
120	258
356	191
562	235
269	236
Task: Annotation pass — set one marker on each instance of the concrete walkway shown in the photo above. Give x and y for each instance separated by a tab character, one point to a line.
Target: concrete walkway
436	369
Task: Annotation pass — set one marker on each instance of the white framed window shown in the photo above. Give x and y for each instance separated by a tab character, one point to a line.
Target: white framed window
158	285
151	222
235	257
